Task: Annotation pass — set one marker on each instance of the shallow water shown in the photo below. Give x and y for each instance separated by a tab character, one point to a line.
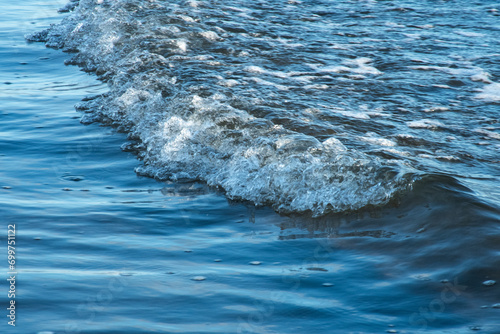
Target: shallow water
361	105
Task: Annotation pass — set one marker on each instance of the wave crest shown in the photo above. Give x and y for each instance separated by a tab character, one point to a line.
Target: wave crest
161	78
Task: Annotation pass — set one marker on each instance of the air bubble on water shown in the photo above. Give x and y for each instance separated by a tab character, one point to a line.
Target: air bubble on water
489	282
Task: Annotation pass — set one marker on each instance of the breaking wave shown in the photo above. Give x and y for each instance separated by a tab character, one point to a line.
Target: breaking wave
189	82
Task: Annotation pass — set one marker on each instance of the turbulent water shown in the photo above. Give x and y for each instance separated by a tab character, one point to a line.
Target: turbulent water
303	105
371	127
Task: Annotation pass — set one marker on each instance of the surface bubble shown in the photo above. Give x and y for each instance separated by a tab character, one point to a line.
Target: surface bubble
489	283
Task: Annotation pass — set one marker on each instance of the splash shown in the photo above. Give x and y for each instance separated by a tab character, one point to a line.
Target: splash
169	88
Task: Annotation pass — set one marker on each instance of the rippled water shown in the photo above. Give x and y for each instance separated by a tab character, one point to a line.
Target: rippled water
371	127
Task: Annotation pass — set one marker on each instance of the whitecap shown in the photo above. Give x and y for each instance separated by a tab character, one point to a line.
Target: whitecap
490	93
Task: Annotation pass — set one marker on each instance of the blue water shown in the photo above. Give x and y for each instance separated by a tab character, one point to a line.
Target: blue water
263	167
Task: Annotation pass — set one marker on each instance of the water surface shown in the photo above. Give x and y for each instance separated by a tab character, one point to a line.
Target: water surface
311	109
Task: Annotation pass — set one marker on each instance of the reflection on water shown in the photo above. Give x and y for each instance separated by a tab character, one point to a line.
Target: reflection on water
102	250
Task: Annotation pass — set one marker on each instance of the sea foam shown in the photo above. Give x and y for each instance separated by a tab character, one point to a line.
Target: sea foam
175	101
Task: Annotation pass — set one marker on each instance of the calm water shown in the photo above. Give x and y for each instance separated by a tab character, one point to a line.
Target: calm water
365	131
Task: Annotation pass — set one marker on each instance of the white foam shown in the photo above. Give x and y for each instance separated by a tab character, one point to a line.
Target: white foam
182	44
397	152
450	158
260	70
316	86
489	134
186	18
254	69
210	35
358	66
350	113
469	33
394	24
193	3
490	93
437	109
425	124
372	138
229	83
482	76
474	73
269	83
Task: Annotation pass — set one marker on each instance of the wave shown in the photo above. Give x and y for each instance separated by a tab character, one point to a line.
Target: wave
168	68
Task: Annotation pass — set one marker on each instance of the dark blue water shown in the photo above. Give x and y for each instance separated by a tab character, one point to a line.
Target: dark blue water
263	167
